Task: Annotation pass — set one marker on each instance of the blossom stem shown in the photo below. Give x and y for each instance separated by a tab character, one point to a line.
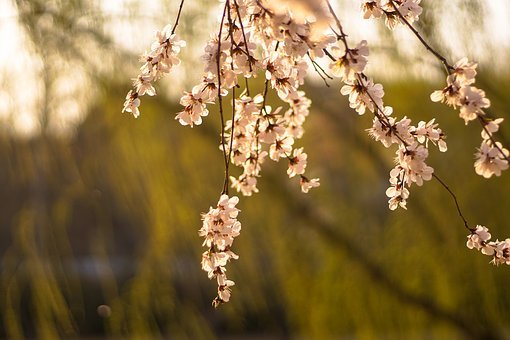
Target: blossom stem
264	8
263	109
220	102
339	24
178	16
330	56
266	86
225	183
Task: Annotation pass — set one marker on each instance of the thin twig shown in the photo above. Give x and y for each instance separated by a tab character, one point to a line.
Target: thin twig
178	16
466	224
220	102
264	8
319	69
448	67
229	17
247	87
329	54
244	35
339	25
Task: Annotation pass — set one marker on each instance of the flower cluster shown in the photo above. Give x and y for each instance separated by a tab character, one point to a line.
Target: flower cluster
409	9
220	227
161	58
491	157
479	239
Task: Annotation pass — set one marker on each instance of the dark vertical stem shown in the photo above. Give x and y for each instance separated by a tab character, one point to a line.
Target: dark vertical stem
447	66
220	102
178	16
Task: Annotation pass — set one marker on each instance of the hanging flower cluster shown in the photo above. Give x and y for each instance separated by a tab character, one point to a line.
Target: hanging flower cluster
262	39
220	227
161	58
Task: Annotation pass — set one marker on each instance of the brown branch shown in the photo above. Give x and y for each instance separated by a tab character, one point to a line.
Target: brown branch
229	16
244	35
379	115
443	60
178	16
220	102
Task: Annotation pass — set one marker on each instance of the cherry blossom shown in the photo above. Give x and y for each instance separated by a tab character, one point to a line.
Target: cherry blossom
448	95
489	161
465	71
491	127
363	95
297	163
159	61
429	131
479	239
409	9
132	103
349	62
194	108
472	101
307	184
371	8
491	157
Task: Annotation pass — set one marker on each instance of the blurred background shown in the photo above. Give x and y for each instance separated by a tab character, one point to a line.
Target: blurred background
100	211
